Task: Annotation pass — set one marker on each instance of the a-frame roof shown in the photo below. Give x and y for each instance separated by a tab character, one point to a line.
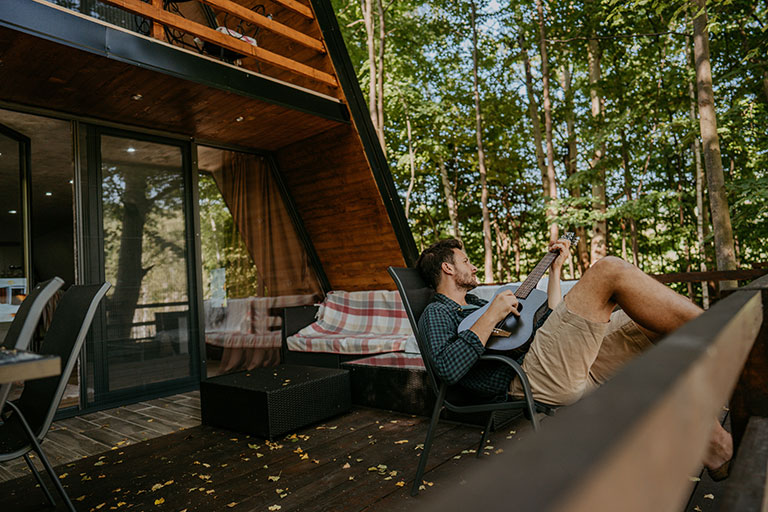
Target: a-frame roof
319	132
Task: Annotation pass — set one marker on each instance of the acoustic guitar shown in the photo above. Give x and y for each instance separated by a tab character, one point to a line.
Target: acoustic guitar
514	331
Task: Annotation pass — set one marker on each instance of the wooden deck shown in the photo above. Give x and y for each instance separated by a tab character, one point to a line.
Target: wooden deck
363	460
155	455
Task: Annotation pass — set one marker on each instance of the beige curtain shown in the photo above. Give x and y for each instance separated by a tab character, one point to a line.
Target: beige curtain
254	199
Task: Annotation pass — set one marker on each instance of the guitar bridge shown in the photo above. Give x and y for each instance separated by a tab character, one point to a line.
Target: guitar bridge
500	332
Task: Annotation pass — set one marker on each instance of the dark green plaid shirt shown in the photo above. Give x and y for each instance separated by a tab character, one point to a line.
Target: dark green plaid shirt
455	354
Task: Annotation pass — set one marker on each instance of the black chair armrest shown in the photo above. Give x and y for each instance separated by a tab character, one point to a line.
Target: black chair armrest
549	410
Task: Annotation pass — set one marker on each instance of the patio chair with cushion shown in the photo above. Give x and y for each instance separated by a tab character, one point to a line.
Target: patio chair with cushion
416	296
27	420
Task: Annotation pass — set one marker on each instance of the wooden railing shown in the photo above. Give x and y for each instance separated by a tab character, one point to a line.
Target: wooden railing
160	18
633	444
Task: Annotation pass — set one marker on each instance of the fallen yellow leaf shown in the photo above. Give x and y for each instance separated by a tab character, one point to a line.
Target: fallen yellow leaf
159	501
402	441
400	483
230	505
272	508
709	496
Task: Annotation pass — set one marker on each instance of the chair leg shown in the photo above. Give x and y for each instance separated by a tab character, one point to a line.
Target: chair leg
428	440
485	434
39	480
47	465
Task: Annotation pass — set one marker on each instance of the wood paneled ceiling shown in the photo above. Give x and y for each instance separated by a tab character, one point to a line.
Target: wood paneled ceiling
41	73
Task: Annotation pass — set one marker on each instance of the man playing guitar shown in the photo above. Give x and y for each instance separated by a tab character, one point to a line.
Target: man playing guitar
575	349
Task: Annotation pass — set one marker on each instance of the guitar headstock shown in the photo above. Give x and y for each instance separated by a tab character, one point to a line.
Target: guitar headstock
571	237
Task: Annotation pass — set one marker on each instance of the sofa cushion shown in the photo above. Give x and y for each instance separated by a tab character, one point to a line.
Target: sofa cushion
367	322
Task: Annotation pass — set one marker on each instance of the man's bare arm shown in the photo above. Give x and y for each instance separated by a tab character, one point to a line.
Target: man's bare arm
554	292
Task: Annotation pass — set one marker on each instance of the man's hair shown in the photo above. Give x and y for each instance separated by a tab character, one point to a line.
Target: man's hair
432	258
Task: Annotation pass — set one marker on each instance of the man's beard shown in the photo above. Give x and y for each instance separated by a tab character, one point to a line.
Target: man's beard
467	282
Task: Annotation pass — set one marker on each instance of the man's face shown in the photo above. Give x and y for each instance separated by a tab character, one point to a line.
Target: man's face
465	273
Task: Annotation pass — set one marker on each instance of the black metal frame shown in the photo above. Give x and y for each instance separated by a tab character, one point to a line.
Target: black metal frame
46	464
25	172
326	19
55	24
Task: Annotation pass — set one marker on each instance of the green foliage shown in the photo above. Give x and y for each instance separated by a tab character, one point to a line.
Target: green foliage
645	57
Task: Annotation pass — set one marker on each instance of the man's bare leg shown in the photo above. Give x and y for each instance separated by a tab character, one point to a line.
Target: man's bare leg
656	309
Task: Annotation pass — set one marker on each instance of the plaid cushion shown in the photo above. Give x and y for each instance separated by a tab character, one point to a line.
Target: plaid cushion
371	312
368	322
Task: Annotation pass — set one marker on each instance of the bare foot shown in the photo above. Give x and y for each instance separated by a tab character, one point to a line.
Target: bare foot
720	449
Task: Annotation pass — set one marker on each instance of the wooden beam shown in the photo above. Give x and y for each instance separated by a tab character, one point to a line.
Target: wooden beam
720	275
223	40
633	444
296	7
266	23
157	29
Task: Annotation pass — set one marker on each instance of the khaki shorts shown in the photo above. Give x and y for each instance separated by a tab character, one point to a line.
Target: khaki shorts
571	356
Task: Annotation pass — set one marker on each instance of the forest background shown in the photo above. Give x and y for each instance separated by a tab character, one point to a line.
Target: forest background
503	122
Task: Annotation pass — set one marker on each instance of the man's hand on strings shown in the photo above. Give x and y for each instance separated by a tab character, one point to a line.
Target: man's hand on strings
503	304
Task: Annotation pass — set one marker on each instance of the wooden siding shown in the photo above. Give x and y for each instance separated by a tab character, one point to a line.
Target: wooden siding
337	198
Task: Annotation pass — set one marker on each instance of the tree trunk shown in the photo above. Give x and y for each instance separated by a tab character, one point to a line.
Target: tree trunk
599	246
487	246
581	253
367	8
380	77
450	199
516	246
718	202
765	84
411	159
699	200
552	184
628	193
130	273
533	112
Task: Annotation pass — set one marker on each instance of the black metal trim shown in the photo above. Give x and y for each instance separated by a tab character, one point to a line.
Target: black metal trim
25	204
345	72
198	260
195	324
54	24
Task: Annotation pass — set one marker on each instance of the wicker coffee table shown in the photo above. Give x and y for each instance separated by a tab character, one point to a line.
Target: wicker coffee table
270	402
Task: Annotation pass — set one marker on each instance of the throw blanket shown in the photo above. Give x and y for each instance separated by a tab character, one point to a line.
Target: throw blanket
367	322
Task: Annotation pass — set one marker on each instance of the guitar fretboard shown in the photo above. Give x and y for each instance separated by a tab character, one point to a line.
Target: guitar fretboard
536	274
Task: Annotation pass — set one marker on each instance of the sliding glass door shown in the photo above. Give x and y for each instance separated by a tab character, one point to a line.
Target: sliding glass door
144	339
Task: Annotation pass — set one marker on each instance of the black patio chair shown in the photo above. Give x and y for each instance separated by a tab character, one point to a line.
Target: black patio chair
416	294
27	317
27	420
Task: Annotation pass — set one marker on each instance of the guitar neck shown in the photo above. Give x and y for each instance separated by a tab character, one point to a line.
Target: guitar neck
535	276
